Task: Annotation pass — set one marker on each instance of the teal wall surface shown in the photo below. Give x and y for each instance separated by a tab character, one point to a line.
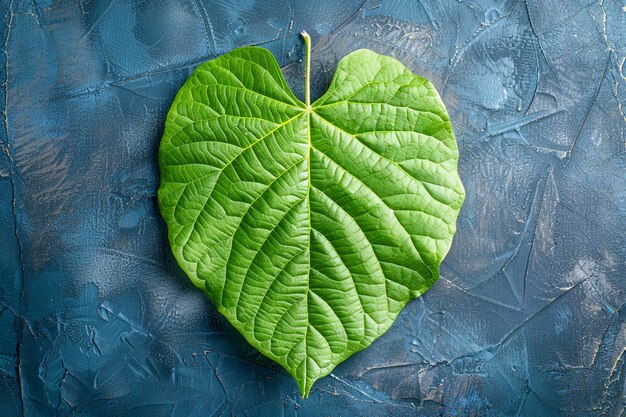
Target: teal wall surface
96	318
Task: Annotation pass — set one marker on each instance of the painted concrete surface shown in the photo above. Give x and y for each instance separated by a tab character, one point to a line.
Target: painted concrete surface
96	319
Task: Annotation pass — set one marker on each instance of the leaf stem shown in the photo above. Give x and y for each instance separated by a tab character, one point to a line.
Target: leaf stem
307	75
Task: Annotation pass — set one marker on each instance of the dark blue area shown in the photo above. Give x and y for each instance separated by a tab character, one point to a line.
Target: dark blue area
96	319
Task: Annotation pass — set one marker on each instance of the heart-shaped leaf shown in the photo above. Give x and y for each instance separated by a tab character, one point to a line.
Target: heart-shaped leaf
310	226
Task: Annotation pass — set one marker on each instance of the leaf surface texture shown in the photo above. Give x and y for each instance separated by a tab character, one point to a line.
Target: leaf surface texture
309	227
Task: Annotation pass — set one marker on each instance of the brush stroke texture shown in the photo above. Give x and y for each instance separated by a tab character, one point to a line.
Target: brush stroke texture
527	318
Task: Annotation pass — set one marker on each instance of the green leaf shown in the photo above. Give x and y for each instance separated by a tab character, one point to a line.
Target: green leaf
309	226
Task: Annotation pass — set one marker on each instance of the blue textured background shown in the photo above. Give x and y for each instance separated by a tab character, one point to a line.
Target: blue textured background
96	319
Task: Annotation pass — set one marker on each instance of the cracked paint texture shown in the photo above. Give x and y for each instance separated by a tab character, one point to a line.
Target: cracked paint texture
527	319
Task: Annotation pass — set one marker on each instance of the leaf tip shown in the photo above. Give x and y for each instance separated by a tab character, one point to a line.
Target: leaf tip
305	388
